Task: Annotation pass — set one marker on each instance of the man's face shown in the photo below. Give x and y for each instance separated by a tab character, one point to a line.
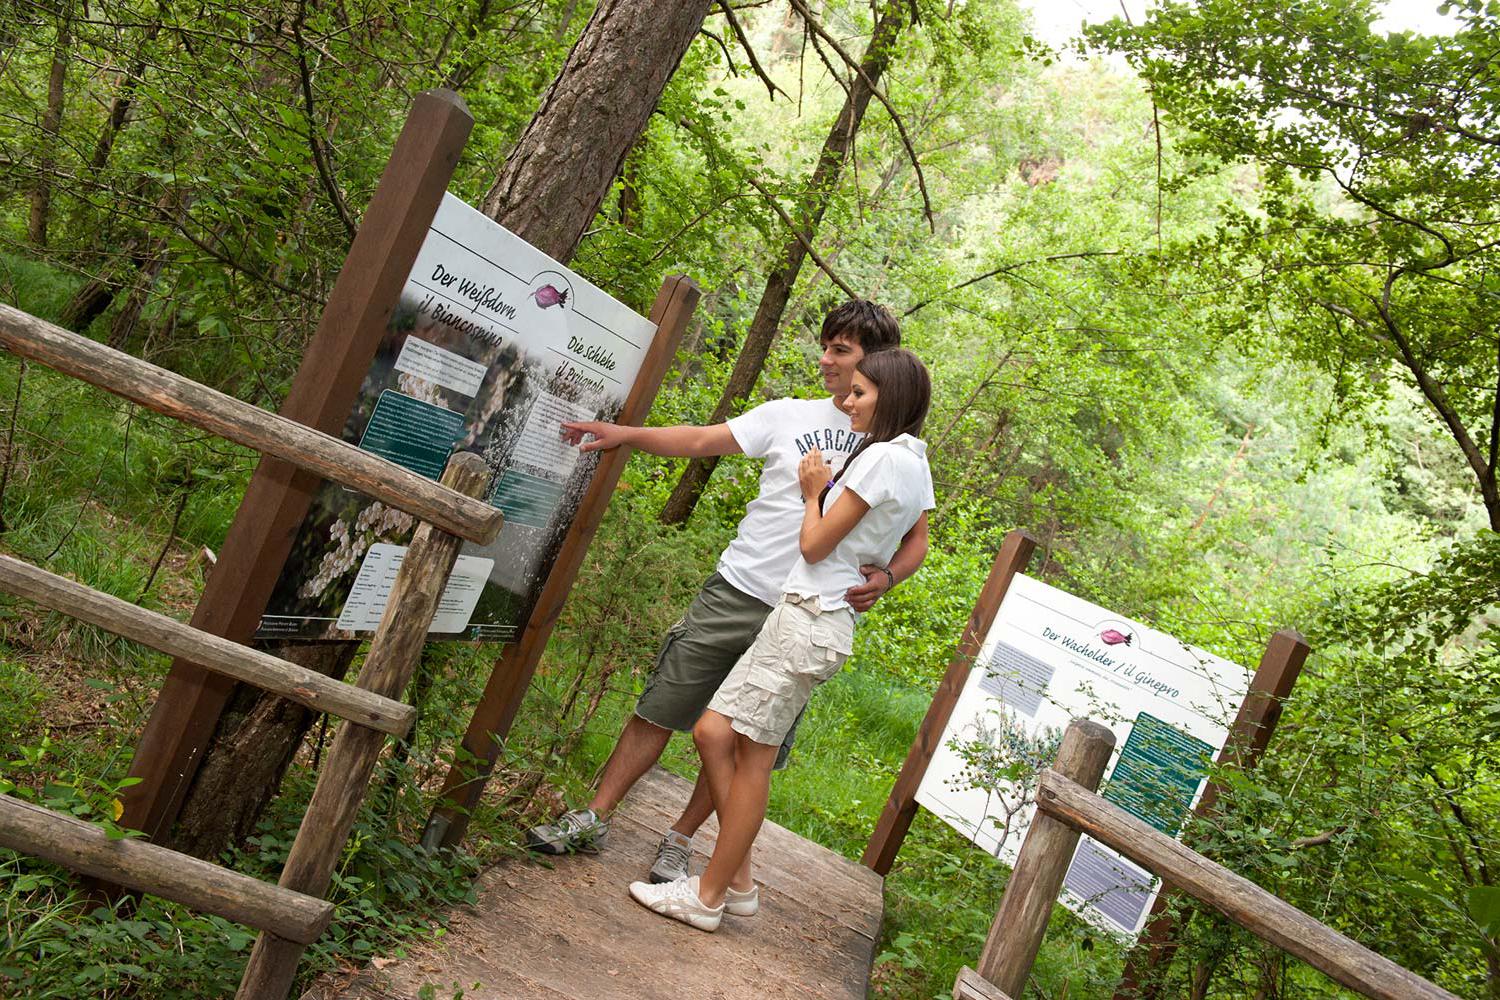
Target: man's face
840	354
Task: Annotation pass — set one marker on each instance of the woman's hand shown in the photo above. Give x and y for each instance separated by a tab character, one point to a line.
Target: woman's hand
813	473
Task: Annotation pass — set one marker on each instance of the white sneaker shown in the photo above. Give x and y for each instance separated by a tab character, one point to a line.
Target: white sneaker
742	904
672	856
679	901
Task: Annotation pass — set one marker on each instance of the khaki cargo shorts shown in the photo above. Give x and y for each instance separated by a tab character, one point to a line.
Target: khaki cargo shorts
799	647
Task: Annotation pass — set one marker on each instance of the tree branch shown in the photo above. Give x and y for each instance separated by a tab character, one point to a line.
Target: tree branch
744	40
325	172
1008	268
734	70
806	245
801	7
1433	390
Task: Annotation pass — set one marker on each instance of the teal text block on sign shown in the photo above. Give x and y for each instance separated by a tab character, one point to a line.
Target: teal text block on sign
528	500
1158	773
414	434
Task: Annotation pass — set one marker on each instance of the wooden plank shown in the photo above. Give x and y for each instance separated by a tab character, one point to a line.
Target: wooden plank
306	687
235	420
83	847
1280	665
512	673
895	819
1237	898
323	393
567	929
395	652
970	985
1031	891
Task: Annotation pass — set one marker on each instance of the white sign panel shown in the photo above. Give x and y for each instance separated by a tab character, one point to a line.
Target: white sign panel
492	346
1049	658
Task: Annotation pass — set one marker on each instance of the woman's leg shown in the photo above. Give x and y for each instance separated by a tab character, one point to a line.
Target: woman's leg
719	749
741	813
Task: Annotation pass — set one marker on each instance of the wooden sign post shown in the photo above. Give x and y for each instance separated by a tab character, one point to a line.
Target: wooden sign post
1272	684
327	383
518	661
901	807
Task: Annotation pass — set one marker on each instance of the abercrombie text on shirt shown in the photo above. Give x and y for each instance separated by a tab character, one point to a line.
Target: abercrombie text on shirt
780	432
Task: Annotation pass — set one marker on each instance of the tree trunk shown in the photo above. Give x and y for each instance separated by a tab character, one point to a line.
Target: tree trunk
548	192
41	191
562	167
820	188
119	109
257	739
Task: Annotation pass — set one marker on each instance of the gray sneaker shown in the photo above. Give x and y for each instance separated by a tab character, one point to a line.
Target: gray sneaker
672	856
579	830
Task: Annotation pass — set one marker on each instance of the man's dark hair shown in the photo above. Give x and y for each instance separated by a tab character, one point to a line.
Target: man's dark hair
868	324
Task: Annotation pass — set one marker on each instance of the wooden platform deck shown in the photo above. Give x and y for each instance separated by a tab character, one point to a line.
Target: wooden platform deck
572	931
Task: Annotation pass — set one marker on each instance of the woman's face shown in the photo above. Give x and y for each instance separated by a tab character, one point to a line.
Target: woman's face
860	403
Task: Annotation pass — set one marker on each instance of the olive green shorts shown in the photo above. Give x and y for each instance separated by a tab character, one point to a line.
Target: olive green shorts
698	653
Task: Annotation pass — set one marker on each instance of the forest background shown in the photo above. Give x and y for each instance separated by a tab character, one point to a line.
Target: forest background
1211	309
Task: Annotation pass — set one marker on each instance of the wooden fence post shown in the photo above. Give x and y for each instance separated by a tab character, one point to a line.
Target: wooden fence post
1272	684
512	672
1021	919
355	318
394	654
901	807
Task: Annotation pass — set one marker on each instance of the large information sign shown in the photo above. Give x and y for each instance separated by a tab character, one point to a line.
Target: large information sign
1049	658
493	345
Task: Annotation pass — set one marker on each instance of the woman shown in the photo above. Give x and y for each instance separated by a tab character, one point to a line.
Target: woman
855	518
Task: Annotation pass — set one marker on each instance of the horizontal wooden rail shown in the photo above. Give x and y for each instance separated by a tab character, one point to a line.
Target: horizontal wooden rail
306	687
1239	899
183	399
84	847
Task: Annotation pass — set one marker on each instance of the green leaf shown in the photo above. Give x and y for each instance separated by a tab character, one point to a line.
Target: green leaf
1484	907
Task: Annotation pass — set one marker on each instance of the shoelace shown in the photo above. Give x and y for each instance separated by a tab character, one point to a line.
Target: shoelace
576	822
673	853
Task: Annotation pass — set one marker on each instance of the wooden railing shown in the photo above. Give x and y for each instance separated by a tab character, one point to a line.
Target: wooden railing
1067	807
291	914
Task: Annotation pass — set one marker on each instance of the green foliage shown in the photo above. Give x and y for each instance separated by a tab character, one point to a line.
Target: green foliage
1167	352
1369	251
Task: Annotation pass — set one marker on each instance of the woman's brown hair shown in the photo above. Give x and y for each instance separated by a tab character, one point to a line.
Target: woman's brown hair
903	394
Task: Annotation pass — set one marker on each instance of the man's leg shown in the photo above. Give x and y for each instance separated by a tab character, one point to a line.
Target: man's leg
639	747
700	806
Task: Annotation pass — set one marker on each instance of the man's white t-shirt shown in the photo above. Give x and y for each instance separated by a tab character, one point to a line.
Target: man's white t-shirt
780	432
893	478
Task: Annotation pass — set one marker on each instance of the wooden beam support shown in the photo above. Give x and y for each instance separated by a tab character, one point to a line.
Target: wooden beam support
970	985
234	420
306	687
901	807
395	652
337	359
1026	907
1239	899
1280	666
83	847
512	672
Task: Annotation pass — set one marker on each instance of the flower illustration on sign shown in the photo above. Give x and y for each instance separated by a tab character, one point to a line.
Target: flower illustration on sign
1113	637
549	295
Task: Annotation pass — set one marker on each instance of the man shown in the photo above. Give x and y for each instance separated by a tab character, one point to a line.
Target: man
728	612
